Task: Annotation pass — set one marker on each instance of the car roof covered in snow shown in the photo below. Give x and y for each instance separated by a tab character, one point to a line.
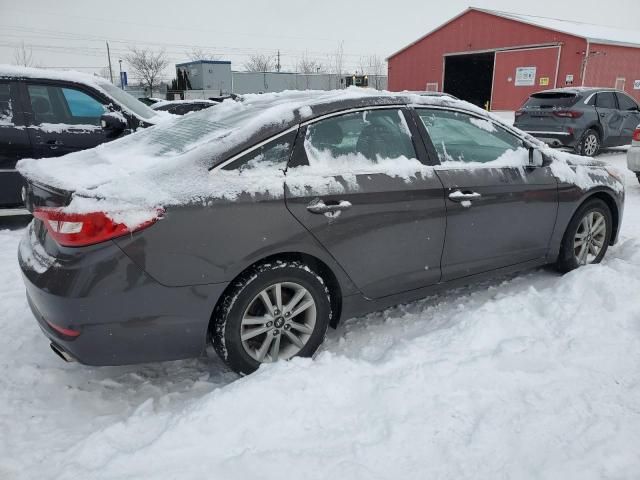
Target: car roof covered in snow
213	135
170	163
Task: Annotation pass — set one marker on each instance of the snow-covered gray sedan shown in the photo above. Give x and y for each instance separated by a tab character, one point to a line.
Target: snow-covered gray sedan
255	225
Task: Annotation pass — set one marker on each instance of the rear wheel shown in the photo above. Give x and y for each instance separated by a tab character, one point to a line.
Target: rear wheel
589	144
587	237
275	312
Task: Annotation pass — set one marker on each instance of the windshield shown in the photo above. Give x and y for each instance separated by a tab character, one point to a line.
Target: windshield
129	102
551	100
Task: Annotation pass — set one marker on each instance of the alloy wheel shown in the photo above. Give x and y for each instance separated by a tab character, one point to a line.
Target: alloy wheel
278	322
590	145
590	237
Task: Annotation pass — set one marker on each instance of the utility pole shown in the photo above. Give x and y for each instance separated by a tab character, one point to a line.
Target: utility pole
278	65
109	57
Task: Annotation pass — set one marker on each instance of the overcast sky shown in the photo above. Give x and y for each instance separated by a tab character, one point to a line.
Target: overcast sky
72	34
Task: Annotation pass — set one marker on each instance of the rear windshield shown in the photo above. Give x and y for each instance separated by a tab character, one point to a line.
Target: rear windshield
551	100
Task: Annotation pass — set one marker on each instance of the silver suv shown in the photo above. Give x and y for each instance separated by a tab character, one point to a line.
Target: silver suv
584	119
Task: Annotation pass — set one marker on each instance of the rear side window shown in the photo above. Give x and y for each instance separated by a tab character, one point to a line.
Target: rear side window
274	155
626	103
458	137
373	135
606	100
6	110
551	100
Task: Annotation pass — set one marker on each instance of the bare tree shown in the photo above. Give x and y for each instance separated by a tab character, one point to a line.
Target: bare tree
337	64
308	65
23	55
147	65
374	67
259	62
197	53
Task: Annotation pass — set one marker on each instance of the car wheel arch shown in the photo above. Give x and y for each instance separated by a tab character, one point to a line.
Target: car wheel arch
608	198
313	262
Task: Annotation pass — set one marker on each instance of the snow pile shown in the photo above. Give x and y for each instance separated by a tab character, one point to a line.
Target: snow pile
533	376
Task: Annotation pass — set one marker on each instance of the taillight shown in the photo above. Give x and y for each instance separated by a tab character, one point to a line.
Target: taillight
519	113
82	229
67	332
636	135
567	113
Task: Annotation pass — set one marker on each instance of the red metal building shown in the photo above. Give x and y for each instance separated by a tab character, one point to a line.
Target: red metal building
498	59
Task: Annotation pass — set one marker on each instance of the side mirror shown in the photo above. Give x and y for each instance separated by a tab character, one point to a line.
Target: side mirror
113	123
536	159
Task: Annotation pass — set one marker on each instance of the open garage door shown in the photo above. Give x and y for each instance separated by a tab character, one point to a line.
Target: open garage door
469	77
519	73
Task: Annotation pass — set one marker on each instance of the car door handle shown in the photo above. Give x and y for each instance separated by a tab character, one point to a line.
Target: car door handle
318	206
53	144
460	196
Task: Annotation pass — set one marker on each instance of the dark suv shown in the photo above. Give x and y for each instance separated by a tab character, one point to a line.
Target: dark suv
48	114
585	119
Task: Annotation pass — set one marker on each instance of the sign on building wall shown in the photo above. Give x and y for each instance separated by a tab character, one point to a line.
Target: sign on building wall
636	84
544	81
525	76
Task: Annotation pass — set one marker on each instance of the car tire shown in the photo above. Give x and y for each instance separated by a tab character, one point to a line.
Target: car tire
638	175
572	252
589	144
243	311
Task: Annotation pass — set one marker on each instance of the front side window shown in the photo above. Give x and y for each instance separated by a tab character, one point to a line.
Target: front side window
368	136
82	105
51	104
606	100
6	110
626	103
459	137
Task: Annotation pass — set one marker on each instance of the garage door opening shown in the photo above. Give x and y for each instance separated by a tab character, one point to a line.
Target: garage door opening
470	77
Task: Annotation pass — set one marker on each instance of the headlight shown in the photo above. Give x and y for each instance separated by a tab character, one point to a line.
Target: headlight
615	173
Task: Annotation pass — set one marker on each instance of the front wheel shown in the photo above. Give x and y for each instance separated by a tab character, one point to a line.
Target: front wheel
275	312
589	144
587	237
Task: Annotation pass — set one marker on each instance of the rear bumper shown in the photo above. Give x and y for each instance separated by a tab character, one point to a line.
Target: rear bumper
554	139
122	314
633	158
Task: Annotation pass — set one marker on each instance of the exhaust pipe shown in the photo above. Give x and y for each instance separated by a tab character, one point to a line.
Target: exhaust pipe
61	353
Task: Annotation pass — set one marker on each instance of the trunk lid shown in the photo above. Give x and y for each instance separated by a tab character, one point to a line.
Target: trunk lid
538	112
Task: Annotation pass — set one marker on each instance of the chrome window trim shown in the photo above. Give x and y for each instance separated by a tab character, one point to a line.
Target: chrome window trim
302	124
539	132
398	106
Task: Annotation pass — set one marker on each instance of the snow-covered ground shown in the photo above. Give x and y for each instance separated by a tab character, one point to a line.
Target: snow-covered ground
530	376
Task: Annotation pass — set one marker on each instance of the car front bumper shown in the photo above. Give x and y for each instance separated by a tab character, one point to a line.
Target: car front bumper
123	315
633	158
